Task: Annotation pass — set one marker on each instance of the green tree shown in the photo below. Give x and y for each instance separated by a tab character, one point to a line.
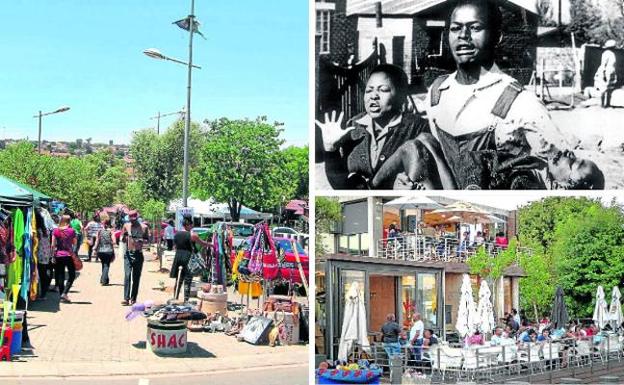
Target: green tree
327	212
241	164
297	169
537	288
492	267
537	221
588	252
159	159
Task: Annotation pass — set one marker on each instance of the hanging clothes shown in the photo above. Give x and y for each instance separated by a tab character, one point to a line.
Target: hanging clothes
34	280
26	278
15	267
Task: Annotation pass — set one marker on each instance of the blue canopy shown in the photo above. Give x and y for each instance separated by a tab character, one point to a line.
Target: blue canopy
13	194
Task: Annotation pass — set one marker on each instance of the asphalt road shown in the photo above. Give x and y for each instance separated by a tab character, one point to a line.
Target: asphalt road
285	375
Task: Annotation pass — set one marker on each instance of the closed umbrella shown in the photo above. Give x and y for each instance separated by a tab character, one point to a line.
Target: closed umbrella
354	329
615	309
559	316
600	311
467	312
485	310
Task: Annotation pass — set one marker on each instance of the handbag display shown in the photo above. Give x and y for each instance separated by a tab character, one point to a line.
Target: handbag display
196	264
256	330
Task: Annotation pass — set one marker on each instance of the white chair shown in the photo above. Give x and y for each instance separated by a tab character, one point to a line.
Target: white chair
445	358
550	352
583	351
611	346
474	362
530	355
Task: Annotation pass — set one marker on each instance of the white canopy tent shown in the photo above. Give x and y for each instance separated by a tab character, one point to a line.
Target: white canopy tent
212	210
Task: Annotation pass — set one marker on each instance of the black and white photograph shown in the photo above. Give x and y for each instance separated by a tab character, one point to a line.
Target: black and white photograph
469	94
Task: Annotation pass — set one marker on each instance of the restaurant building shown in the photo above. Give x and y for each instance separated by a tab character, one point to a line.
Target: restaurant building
419	272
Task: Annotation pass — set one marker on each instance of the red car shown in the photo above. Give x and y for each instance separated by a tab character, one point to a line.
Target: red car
286	258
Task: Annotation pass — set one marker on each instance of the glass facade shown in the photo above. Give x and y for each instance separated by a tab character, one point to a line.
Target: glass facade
427	298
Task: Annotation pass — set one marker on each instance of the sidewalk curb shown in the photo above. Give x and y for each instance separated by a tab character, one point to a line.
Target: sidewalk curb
170	365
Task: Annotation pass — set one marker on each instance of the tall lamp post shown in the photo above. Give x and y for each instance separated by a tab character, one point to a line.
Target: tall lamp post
156	54
42	114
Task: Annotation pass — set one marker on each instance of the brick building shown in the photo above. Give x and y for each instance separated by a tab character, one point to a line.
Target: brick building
412	34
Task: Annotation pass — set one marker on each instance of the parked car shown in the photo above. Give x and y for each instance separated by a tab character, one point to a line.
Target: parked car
241	231
278	231
285	256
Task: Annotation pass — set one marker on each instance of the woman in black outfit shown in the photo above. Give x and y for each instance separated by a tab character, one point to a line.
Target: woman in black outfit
184	244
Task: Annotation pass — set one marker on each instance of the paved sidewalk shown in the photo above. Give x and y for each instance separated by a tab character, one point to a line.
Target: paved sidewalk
91	337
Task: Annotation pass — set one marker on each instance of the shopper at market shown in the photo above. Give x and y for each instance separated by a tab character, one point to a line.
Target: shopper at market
169	234
134	235
390	332
64	243
44	255
103	249
185	245
76	224
91	229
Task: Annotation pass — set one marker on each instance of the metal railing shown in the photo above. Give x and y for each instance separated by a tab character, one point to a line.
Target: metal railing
500	363
422	248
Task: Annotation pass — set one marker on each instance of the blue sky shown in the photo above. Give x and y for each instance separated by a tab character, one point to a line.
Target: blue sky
87	54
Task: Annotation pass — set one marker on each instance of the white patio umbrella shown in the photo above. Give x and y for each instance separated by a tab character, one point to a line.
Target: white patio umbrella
414	202
485	310
354	329
615	309
467	312
467	211
600	311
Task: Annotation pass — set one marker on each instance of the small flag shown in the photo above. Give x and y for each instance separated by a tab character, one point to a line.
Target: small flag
184	24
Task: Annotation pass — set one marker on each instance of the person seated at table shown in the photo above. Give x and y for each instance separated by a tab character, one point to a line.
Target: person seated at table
498	337
501	240
509	332
475	339
529	336
462	248
544	336
422	346
479	239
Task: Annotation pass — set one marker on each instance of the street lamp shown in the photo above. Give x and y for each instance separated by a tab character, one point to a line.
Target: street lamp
156	54
40	115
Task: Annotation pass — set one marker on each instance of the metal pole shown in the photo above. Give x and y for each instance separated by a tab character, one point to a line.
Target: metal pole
39	146
187	126
158	123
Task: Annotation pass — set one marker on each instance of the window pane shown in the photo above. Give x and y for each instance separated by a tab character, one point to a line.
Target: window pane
343	246
364	240
354	244
427	298
408	300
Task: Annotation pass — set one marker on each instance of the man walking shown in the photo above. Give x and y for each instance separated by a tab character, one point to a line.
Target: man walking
135	235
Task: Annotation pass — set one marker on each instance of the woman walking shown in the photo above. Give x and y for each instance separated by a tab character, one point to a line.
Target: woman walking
63	244
184	243
92	229
44	254
103	246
